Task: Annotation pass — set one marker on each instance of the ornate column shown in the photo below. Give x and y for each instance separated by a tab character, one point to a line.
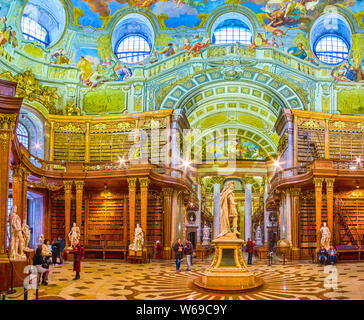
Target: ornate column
198	216
266	212
327	142
167	220
7	125
79	195
330	204
248	181
67	209
318	199
24	194
87	143
132	196
216	204
144	183
295	197
17	183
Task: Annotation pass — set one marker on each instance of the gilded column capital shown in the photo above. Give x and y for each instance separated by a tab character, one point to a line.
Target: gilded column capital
17	172
295	192
79	185
330	183
318	182
167	192
7	121
217	180
67	186
132	183
248	180
144	182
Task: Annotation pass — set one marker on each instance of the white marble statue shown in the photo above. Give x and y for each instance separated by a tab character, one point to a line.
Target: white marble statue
26	235
205	235
16	247
228	211
41	238
325	236
138	242
258	236
74	235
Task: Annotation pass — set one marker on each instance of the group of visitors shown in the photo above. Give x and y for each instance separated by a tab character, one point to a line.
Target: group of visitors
324	256
181	249
47	254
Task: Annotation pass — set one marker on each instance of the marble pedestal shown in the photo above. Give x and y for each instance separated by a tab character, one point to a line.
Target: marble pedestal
228	271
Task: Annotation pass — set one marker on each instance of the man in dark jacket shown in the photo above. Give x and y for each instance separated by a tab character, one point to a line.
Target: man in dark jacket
55	251
178	251
188	251
62	245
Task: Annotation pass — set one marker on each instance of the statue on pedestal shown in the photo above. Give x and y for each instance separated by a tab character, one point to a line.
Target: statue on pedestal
228	211
325	236
26	235
138	242
205	235
16	247
258	236
74	235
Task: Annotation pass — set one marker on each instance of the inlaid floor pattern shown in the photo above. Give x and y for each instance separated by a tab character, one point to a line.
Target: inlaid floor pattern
115	280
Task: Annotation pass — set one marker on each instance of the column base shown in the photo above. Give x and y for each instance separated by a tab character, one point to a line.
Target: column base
295	253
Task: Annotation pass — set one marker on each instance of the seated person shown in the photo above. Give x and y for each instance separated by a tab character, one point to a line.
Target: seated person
332	254
322	255
39	262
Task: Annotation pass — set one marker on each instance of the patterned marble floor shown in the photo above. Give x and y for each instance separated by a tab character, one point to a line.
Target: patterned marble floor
115	280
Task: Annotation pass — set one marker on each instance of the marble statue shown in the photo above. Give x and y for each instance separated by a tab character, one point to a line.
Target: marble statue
16	247
325	236
138	242
228	211
41	238
26	235
258	236
205	235
74	235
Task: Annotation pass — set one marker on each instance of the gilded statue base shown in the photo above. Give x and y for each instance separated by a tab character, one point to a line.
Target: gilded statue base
228	271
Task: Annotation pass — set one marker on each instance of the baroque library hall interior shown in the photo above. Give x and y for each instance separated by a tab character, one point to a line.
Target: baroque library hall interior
181	150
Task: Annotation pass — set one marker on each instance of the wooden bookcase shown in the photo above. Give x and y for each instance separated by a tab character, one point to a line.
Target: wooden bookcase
69	146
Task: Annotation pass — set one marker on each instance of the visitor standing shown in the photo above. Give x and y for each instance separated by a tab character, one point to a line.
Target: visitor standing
62	245
178	251
46	251
77	256
332	254
55	251
42	267
158	249
251	245
188	251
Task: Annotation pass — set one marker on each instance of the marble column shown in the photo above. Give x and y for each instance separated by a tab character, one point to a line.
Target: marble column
132	198
288	217
330	204
216	209
198	216
248	181
67	209
266	212
167	220
318	199
282	217
175	145
79	196
144	183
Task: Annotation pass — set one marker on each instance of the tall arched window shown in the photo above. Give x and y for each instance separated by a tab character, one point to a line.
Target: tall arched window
232	31
23	135
331	49
32	30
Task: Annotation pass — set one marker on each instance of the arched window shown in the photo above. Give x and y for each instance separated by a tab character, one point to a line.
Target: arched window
232	31
133	49
331	49
23	135
133	38
32	30
331	38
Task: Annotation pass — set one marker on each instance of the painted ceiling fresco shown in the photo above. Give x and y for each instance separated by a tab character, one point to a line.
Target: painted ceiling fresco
274	13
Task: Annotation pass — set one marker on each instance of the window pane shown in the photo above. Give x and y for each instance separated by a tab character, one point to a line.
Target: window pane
331	49
133	49
22	135
233	34
32	30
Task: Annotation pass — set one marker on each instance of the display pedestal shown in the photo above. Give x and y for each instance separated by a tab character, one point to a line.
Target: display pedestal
262	252
295	254
228	271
